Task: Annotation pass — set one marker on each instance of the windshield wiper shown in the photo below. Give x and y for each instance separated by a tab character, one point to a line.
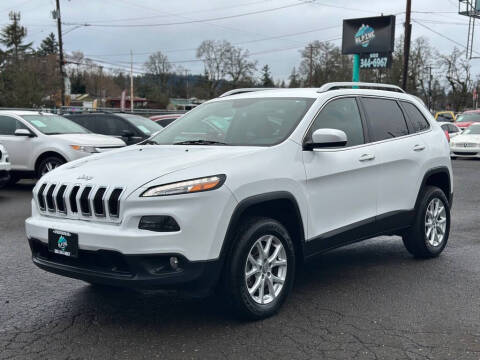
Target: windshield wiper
148	142
200	142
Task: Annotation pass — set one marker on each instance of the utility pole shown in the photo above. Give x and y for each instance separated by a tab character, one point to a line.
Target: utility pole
186	83
311	66
60	49
131	81
406	47
430	97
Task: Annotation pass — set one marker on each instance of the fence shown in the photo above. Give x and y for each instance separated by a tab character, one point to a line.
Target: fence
76	109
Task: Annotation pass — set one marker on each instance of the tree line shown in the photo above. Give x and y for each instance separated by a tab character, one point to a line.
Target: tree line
29	76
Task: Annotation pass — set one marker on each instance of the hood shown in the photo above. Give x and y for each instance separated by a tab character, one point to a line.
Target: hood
464	124
467	138
90	139
134	166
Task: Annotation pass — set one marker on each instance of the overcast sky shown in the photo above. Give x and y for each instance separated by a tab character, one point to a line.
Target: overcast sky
113	44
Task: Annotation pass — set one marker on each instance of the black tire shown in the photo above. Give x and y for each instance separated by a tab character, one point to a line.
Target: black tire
235	282
415	239
12	181
453	157
43	167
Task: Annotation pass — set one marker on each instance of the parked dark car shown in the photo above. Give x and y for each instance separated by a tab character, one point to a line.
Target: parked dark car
129	127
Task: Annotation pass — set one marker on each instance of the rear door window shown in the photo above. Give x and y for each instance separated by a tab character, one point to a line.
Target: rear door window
385	118
415	118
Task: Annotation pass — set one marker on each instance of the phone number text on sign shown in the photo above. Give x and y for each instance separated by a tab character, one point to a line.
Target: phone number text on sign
374	61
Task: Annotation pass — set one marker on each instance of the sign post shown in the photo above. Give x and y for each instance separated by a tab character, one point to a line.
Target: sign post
370	41
356	68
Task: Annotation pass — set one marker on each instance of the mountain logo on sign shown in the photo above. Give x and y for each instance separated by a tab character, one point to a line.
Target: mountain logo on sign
364	35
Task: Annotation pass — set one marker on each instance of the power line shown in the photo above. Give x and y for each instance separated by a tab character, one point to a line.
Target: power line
193	21
183	13
443	36
236	43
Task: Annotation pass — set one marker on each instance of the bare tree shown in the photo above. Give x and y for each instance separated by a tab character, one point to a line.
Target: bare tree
214	55
458	74
159	66
237	64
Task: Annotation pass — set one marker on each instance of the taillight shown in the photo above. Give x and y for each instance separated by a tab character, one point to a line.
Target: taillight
448	136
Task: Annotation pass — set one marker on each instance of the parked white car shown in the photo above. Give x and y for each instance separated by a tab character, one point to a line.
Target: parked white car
290	174
4	166
467	144
39	142
452	129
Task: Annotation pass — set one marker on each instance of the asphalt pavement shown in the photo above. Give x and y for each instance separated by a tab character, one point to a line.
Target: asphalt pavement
367	301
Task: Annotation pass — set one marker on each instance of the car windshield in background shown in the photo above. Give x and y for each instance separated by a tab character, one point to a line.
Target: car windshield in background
146	126
472	130
474	117
445	117
54	124
254	121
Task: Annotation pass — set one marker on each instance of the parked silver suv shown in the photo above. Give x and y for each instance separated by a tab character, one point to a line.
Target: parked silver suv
39	142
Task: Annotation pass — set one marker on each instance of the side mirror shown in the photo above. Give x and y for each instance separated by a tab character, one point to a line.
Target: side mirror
326	138
23	132
127	133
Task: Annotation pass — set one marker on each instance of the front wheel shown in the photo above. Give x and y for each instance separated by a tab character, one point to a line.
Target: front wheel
429	234
48	164
261	269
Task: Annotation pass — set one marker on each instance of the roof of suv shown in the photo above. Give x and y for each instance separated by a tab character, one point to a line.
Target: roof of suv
24	112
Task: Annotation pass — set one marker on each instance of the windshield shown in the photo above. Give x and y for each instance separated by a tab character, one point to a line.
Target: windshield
146	126
445	117
472	130
255	121
54	124
473	117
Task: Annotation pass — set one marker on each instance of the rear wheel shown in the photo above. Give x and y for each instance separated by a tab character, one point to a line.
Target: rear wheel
429	234
261	269
48	164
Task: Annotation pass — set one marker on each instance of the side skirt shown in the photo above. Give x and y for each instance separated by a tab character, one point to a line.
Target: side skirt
386	224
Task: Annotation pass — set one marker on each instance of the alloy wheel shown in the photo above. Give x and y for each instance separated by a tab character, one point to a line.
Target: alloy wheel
435	222
266	269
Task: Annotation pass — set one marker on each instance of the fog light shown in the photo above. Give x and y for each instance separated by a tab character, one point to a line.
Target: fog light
158	223
174	262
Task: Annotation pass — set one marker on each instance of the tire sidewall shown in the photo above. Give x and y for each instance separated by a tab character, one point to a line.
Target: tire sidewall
246	240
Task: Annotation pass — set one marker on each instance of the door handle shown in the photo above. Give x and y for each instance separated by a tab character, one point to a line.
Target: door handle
419	147
366	157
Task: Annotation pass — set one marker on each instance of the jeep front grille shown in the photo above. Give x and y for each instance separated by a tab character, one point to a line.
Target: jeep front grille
94	202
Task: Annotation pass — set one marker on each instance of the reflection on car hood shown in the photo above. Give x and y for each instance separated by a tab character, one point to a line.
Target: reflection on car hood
90	139
467	138
134	166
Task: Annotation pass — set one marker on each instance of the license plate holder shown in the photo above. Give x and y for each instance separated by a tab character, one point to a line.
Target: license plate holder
63	243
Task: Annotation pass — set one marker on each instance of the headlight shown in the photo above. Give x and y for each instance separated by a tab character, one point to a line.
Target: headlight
85	148
187	186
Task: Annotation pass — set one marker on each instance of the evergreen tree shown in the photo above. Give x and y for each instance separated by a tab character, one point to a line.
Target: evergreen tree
49	46
13	35
294	81
266	80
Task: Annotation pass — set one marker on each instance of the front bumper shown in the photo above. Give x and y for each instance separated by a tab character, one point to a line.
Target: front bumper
151	271
466	152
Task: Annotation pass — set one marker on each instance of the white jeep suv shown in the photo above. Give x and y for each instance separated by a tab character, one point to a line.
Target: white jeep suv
243	188
39	142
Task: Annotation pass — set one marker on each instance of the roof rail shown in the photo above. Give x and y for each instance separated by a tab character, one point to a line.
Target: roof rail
244	90
354	85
